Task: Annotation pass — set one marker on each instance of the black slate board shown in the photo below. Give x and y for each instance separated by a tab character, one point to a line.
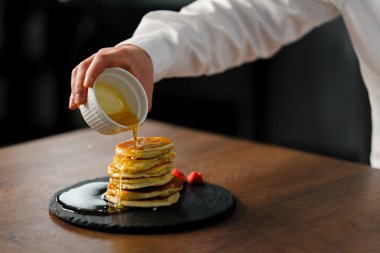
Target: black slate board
199	205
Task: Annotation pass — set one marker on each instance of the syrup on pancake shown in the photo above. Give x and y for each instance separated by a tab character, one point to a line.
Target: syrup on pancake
142	177
127	162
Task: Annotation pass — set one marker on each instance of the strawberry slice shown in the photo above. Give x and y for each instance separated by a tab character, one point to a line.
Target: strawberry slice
178	174
195	177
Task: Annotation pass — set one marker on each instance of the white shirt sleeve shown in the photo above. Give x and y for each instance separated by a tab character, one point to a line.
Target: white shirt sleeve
210	36
362	19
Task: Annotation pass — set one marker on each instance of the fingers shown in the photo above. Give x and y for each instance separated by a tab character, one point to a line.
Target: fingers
72	105
84	75
106	58
78	91
100	62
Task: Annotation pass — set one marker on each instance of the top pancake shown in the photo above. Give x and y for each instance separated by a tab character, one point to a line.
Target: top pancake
149	147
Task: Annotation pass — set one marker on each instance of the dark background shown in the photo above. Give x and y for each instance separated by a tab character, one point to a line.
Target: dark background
309	96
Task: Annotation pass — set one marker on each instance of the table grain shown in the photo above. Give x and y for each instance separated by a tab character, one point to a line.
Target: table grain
287	200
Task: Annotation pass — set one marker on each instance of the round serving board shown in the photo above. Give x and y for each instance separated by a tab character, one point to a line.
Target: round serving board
199	205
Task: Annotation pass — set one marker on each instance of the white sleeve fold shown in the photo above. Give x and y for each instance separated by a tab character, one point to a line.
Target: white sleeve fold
210	36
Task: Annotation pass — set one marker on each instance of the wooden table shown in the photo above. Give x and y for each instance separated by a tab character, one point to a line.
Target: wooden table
287	201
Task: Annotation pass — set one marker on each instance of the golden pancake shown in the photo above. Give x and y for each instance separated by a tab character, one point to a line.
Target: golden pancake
135	166
175	185
157	171
141	177
154	202
137	183
149	147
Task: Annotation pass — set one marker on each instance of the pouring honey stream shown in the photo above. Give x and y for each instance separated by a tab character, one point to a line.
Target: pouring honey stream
116	107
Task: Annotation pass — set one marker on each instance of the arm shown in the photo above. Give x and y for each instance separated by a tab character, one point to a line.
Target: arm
362	19
210	36
205	37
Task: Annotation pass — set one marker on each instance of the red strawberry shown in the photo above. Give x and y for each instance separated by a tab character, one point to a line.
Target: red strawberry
178	174
195	177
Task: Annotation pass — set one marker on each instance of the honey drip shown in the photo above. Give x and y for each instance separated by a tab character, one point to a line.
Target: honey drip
127	162
116	107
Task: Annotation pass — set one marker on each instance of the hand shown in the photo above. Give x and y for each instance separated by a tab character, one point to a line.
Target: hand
129	57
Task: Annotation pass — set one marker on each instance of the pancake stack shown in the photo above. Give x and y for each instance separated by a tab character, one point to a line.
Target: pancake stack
142	177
